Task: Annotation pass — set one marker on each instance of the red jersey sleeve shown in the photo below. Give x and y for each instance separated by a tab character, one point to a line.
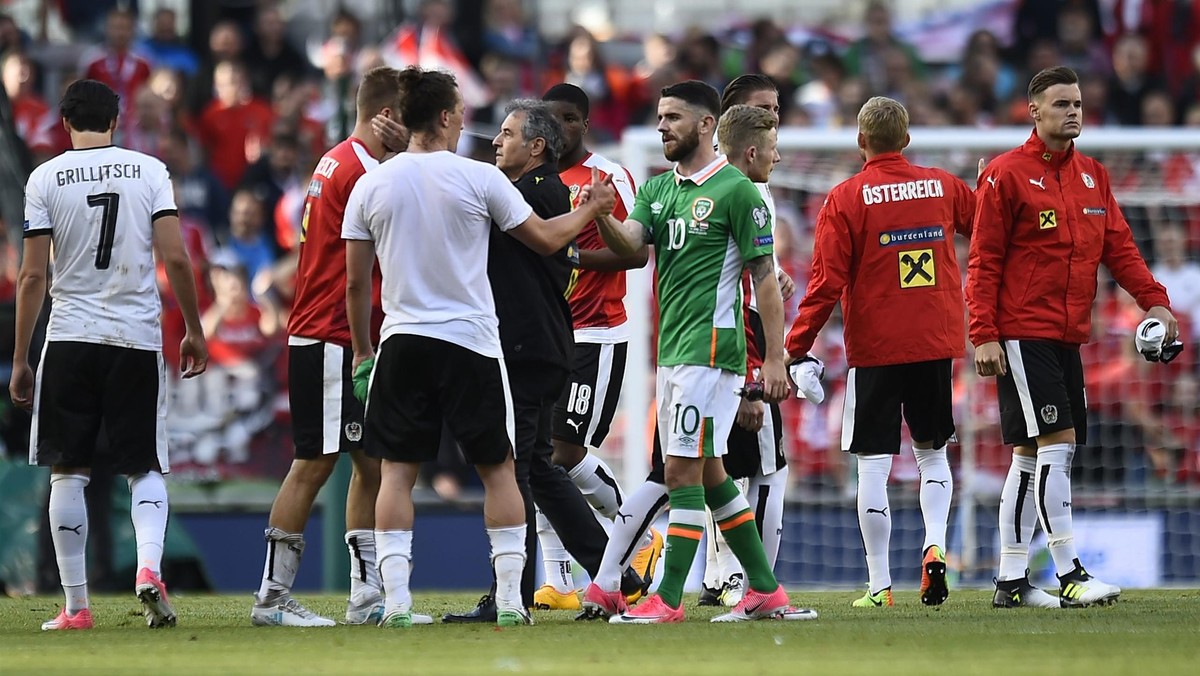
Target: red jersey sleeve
990	233
626	194
1122	258
833	252
964	207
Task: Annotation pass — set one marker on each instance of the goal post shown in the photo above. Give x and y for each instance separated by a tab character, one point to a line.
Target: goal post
1155	175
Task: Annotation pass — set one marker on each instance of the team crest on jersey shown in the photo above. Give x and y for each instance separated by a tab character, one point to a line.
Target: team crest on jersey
701	208
354	432
574	192
761	216
1050	414
1088	180
314	188
1047	220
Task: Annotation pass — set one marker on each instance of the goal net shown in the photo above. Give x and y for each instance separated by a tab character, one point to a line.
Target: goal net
1136	481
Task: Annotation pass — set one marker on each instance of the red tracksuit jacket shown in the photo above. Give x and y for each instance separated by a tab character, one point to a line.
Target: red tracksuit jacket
1044	222
885	246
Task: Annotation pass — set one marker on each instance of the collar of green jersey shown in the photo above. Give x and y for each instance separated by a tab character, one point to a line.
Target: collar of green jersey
702	175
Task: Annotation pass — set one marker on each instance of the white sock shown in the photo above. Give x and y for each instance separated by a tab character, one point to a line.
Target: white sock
148	510
69	530
937	487
875	518
1018	517
766	494
283	561
639	511
713	543
556	562
508	560
364	570
1053	486
598	484
395	567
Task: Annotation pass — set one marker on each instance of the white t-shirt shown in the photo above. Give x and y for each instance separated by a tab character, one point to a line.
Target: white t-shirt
98	206
429	215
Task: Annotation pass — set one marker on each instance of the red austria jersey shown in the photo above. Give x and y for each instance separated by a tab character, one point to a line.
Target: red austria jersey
319	307
885	246
597	299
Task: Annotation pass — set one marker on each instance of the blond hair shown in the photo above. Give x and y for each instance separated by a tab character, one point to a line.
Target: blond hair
884	122
744	126
379	89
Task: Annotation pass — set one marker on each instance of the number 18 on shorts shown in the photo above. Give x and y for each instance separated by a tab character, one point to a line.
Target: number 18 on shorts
696	409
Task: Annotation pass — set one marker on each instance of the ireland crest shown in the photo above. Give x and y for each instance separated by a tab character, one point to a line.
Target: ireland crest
701	208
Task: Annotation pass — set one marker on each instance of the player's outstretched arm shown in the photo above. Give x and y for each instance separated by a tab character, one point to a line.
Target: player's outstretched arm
31	292
833	252
770	310
193	350
606	260
360	257
547	236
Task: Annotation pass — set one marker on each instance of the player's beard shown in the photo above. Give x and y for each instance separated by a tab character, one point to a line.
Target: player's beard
684	146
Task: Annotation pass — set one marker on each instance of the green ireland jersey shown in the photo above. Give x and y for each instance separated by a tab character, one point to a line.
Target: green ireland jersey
704	229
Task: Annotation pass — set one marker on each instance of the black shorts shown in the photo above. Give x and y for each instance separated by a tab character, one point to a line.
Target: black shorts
1041	391
83	389
326	418
584	413
877	397
421	382
758	453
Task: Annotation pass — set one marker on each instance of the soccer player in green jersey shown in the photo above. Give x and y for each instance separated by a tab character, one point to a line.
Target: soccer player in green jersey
707	222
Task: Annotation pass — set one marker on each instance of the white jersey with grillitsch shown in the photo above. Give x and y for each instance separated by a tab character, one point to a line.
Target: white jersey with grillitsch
429	215
98	206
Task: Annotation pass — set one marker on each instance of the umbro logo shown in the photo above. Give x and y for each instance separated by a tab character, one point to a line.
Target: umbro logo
882	512
656	208
73	529
1041	182
156	503
935	481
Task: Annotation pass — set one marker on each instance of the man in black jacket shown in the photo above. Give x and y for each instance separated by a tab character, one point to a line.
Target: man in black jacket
531	293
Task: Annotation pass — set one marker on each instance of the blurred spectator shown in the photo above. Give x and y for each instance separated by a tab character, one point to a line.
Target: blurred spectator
12	38
1171	29
873	57
88	19
1081	48
779	62
1179	275
248	236
225	43
293	101
346	26
764	34
168	85
508	34
113	63
1037	20
700	59
428	43
198	193
165	47
336	60
1131	79
655	70
149	119
274	173
1158	109
32	117
818	97
198	242
502	75
234	124
1003	82
270	55
607	86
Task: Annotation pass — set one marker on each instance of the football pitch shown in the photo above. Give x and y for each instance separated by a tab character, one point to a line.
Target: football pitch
1147	632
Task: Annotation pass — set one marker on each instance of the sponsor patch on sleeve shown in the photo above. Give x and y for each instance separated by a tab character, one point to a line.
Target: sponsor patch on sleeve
764	240
1094	211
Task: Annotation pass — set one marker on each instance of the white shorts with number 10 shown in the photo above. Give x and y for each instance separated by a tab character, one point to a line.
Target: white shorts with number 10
696	409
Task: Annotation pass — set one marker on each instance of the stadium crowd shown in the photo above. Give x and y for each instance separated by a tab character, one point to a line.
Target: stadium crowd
242	122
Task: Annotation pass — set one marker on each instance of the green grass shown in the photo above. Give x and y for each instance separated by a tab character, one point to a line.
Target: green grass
1147	633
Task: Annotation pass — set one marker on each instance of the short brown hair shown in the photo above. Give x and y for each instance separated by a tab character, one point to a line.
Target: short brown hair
425	94
743	126
1049	77
379	89
884	122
